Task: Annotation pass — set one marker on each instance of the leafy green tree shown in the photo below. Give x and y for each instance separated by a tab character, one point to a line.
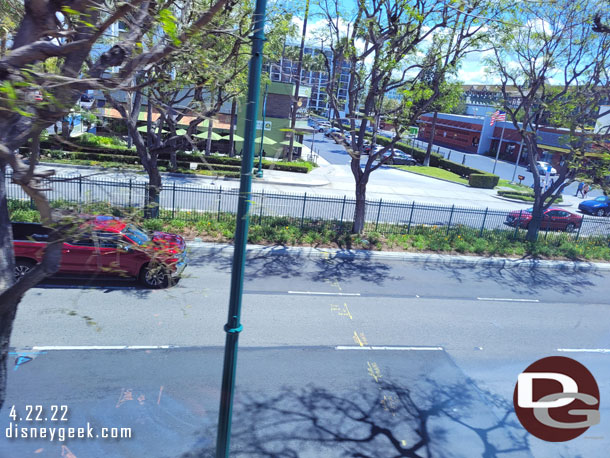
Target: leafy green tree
81	25
558	64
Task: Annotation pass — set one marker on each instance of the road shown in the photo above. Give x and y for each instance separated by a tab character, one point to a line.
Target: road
454	337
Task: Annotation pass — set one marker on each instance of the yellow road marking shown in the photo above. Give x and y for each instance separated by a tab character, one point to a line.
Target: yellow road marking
374	371
360	339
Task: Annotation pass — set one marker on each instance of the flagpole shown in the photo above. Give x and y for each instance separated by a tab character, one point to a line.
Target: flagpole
517	161
499	146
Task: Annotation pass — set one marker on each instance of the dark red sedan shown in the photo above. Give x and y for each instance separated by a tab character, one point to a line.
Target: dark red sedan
105	245
552	219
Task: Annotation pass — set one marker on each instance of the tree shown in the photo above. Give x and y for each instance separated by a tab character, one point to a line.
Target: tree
381	42
558	64
66	30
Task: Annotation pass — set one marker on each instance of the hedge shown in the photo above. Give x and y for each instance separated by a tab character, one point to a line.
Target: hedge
184	160
520	195
483	180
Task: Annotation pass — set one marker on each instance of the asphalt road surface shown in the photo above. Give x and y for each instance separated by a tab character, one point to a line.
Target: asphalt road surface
337	358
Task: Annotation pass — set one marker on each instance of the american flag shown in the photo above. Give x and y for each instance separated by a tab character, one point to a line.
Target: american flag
497	116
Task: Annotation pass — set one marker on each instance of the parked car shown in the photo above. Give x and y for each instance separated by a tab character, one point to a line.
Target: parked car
552	219
331	130
600	206
106	246
367	147
347	138
542	168
397	157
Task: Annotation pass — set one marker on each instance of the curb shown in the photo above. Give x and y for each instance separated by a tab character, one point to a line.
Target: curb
435	178
423	258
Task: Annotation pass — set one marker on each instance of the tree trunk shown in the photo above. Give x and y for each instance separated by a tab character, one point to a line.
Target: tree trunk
65	128
360	210
232	128
208	143
534	225
153	194
431	141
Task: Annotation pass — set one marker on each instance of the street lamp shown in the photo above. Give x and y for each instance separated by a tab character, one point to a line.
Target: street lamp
259	174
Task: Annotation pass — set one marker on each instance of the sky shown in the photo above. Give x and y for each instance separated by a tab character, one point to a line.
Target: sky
472	71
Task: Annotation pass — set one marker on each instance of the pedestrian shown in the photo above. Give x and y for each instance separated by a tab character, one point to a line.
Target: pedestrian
579	190
585	191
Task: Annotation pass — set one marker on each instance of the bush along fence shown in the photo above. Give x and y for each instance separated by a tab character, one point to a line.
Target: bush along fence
205	203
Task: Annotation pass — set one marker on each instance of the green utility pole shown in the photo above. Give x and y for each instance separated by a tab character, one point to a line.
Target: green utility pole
259	174
233	326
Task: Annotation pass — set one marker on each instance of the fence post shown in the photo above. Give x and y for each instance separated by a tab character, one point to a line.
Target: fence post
80	190
303	212
450	218
410	217
517	225
483	225
464	159
342	211
174	200
260	213
582	221
378	212
449	155
219	200
130	193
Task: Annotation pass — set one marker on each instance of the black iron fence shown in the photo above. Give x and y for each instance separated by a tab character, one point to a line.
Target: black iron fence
204	203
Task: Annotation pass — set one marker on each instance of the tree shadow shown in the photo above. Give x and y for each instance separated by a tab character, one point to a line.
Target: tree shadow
426	420
521	279
277	261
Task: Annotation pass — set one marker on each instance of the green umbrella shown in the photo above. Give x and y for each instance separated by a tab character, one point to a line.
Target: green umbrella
236	138
145	129
295	144
204	135
180	132
266	141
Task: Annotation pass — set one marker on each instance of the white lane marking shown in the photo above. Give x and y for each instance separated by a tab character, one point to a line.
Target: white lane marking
352	347
316	293
103	347
501	299
584	350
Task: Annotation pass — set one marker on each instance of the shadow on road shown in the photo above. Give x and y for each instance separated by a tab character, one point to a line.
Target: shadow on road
523	280
396	421
275	262
108	284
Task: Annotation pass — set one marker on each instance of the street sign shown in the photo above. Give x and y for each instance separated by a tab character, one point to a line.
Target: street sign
259	125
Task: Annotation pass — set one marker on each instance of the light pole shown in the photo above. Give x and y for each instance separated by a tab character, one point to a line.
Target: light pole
233	326
517	161
259	174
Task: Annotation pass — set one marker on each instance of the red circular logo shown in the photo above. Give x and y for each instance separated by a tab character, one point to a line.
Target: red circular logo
556	399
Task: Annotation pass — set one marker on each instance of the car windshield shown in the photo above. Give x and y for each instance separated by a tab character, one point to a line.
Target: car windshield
136	234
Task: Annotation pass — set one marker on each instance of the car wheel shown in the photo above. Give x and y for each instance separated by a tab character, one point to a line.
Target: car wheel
600	212
22	267
570	227
154	276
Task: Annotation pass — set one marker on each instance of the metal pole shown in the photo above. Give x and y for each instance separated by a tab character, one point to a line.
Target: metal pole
450	219
259	174
174	200
517	161
499	146
483	224
233	326
303	212
378	213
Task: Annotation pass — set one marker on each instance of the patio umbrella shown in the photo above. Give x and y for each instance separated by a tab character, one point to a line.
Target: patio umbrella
145	128
266	141
236	138
180	132
204	135
294	143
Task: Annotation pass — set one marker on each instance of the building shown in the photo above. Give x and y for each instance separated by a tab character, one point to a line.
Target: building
313	76
276	126
474	134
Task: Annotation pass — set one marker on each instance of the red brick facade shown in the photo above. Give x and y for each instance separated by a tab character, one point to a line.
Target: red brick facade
463	136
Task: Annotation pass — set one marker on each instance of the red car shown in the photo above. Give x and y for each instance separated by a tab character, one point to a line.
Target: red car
106	246
552	219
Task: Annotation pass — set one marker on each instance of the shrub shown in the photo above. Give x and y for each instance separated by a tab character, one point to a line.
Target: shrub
483	180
